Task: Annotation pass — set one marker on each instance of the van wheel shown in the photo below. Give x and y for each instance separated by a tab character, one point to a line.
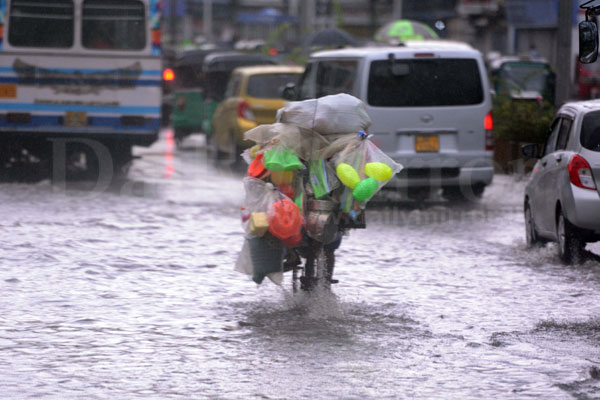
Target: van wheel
570	245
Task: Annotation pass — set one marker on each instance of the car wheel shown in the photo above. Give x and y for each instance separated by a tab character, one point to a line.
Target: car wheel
570	245
531	235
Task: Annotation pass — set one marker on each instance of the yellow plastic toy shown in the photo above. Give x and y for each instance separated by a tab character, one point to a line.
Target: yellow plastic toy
282	177
378	171
258	224
347	175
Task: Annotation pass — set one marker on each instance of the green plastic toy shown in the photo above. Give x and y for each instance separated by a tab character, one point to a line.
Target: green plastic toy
281	160
365	189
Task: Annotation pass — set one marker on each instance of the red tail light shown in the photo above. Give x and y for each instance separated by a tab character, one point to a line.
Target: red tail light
488	125
488	122
580	173
244	111
168	74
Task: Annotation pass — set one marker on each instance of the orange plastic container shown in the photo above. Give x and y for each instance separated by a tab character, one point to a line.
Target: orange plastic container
256	169
285	219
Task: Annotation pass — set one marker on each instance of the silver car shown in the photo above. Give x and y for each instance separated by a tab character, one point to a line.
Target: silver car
562	197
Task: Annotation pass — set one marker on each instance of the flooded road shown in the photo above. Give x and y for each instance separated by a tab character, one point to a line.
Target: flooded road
130	293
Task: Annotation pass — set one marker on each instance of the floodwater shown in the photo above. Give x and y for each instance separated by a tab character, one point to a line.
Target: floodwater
129	292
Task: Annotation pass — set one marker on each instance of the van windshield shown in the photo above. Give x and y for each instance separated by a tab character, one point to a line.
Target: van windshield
590	131
520	76
424	83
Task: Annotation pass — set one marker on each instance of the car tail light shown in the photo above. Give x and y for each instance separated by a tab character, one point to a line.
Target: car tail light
580	173
168	75
244	111
488	125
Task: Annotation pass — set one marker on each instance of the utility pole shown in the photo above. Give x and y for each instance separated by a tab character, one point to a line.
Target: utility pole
397	10
563	51
207	19
173	23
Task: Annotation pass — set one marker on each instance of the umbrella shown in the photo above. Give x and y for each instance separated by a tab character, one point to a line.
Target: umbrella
402	30
331	37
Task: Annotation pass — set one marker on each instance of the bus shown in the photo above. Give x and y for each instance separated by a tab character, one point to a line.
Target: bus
80	82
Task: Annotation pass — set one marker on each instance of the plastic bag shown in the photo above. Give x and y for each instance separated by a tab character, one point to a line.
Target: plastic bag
363	169
259	196
305	143
322	178
340	113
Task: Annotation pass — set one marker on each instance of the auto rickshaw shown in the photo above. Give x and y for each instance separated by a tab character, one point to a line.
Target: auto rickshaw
201	77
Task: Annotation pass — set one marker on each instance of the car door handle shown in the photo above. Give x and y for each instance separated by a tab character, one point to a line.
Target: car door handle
558	159
544	163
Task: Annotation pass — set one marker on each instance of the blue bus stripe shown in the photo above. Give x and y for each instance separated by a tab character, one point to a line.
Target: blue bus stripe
149	72
95	124
79	81
85	108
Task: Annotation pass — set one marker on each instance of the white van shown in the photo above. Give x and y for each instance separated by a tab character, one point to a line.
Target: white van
430	103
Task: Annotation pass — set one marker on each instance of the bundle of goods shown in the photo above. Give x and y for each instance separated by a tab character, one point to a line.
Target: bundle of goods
310	174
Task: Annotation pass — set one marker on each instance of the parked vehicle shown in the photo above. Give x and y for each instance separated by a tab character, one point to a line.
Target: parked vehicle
252	97
201	77
79	79
430	103
523	78
562	197
587	77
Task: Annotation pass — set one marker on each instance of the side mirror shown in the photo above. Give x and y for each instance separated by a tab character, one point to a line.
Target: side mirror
588	42
531	151
289	92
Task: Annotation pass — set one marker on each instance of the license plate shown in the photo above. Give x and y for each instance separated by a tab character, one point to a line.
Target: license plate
8	90
427	144
75	118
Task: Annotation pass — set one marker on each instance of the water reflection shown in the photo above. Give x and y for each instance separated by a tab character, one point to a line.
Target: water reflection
131	293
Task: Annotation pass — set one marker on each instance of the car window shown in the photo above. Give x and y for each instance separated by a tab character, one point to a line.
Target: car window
590	131
233	86
269	86
563	134
36	23
424	83
329	77
551	141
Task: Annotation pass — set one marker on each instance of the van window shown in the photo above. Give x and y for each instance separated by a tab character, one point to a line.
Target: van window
39	23
113	25
269	86
323	78
424	83
590	131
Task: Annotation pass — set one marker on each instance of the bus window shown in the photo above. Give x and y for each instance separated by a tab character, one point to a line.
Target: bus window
39	23
113	25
